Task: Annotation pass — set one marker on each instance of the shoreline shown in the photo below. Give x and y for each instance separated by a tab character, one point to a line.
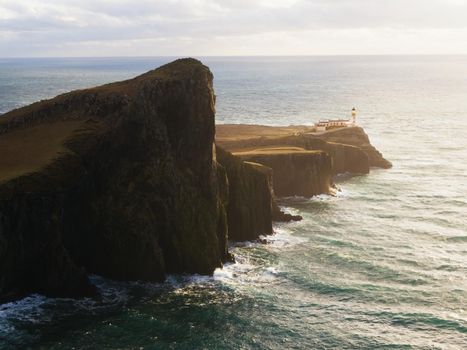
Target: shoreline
135	170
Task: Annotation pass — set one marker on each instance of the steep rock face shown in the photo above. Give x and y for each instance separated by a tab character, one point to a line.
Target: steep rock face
350	148
31	249
126	186
250	200
345	158
357	137
295	172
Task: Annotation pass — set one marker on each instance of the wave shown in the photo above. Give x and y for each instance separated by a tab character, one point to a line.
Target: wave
457	239
420	320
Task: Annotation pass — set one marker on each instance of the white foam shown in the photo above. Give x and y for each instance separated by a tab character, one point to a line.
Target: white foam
27	309
337	195
282	237
272	270
245	271
248	272
296	199
290	210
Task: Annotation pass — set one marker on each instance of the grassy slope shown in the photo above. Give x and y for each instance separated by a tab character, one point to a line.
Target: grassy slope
28	150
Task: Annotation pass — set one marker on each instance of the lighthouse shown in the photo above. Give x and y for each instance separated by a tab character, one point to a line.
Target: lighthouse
354	116
328	124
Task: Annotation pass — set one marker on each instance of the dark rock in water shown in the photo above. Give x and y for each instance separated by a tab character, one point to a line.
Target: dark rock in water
250	203
118	180
280	216
295	172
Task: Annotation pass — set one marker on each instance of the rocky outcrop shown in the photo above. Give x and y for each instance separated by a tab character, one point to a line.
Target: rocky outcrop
357	137
250	200
295	172
251	205
32	255
124	181
345	158
118	180
349	148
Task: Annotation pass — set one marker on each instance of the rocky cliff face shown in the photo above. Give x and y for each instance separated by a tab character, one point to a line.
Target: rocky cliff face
251	205
123	180
349	148
125	184
250	200
357	137
295	172
345	158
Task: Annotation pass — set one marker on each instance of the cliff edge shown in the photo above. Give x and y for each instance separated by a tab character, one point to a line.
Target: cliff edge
356	136
349	148
124	180
295	172
118	180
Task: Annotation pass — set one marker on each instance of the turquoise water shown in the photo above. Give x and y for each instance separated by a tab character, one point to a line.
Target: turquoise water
383	265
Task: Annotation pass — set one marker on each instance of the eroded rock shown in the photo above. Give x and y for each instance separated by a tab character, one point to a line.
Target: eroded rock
125	184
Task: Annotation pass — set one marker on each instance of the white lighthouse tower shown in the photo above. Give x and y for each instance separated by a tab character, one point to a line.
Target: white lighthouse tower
354	116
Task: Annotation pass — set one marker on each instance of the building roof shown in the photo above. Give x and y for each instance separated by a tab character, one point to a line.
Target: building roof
333	120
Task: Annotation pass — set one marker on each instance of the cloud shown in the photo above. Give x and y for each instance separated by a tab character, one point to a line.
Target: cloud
99	27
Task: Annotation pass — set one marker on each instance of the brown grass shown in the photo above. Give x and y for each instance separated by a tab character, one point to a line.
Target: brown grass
272	151
25	151
237	132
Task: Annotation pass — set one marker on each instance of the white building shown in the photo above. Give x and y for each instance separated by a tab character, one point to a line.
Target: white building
327	124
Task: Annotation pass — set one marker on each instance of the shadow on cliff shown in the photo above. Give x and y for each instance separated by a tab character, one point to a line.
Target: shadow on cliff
125	181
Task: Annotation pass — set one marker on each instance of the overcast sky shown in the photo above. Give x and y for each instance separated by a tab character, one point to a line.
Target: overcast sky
231	27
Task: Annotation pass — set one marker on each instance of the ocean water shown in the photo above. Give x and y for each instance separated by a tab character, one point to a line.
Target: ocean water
382	265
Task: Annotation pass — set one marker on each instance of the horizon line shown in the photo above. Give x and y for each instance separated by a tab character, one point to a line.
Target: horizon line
252	56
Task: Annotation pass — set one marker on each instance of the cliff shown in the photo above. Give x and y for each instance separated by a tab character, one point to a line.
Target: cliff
118	180
357	137
349	148
345	158
251	205
250	199
295	172
125	181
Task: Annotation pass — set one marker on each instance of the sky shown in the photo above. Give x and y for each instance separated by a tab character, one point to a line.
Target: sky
231	27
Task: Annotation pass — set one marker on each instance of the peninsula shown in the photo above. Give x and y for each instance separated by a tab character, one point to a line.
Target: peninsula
128	181
303	160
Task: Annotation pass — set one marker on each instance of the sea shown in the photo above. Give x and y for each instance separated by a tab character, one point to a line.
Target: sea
381	265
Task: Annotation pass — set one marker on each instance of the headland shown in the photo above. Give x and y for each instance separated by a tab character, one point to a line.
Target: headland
127	181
